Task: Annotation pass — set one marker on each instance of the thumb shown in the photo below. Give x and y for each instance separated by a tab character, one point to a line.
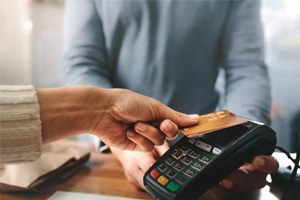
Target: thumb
148	160
178	118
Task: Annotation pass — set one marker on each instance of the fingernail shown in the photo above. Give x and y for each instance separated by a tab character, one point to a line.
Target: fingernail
194	116
260	162
141	127
167	126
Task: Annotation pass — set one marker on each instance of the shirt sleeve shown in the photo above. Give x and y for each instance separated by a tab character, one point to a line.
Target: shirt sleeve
247	83
20	132
84	59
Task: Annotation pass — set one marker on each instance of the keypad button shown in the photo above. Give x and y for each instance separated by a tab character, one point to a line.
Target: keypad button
190	173
184	149
193	154
203	145
162	167
181	179
197	166
163	180
186	160
205	157
177	154
169	161
154	174
178	166
216	151
173	186
170	173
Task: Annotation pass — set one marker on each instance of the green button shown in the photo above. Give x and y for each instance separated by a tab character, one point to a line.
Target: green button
173	186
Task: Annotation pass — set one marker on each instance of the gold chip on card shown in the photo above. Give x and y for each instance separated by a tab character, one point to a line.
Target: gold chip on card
212	122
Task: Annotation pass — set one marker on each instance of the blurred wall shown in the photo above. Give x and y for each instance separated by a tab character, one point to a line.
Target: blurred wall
30	42
46	43
281	20
15	60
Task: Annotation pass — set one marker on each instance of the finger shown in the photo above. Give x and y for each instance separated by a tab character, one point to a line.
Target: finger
133	173
139	180
169	128
236	181
162	149
147	160
151	133
235	188
267	164
143	144
177	117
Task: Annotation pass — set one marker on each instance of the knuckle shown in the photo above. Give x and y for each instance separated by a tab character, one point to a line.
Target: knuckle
117	111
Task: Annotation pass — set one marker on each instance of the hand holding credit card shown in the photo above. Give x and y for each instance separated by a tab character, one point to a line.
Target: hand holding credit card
212	122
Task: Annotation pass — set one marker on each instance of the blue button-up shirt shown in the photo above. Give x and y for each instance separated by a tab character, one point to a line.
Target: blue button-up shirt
171	50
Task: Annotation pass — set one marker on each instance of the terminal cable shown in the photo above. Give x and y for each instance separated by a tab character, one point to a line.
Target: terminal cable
291	190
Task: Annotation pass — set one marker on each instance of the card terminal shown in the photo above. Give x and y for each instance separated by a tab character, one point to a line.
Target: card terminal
193	165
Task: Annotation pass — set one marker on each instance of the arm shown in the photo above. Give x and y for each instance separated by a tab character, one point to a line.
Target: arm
247	91
107	113
84	55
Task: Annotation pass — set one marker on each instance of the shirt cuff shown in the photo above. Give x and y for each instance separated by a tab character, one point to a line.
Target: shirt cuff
20	135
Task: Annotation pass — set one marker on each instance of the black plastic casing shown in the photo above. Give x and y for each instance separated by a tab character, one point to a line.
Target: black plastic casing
258	140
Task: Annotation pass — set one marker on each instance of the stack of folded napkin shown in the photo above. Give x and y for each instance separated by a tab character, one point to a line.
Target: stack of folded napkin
57	159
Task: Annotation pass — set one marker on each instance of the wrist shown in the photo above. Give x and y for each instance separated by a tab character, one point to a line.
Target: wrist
67	111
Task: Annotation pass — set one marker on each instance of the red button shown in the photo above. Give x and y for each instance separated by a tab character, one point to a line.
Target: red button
154	173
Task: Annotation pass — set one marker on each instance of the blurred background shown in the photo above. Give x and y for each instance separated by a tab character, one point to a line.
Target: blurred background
31	46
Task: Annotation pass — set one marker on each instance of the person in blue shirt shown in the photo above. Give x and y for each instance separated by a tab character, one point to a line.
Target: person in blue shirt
173	50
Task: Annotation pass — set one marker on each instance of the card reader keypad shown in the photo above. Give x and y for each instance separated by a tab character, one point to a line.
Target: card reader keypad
183	163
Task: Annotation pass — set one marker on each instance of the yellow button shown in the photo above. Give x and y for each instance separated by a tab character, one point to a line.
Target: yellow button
163	180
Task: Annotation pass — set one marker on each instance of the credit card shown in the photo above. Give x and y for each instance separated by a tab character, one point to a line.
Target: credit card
212	122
